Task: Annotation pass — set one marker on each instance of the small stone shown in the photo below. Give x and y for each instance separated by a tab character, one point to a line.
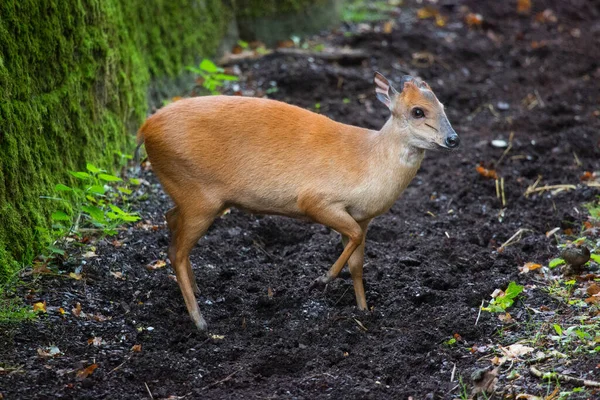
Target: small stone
502	105
499	143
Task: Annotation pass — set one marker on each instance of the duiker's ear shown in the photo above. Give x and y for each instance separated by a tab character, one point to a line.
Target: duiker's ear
385	92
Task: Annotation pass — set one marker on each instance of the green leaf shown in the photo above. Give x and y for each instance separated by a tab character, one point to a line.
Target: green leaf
209	66
558	329
130	217
225	77
97	189
109	178
80	175
555	262
62	188
513	290
56	250
93	169
242	44
134	181
116	209
60	216
595	257
95	213
124	190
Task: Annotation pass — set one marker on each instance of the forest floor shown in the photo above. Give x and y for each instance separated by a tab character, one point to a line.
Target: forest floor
528	80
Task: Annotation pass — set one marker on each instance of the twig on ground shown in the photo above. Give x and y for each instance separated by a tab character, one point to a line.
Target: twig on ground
119	366
513	239
453	372
342	296
565	378
479	313
360	324
149	392
227	378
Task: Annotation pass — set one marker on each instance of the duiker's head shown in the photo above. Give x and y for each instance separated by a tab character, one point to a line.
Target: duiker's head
416	110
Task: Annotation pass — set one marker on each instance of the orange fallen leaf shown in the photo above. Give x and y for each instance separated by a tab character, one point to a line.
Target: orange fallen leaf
156	265
587	176
568	231
285	44
388	26
136	348
523	6
96	341
486	173
40	307
473	20
441	20
427	12
41	269
530	266
587	225
593	289
84	373
457	337
62	311
593	300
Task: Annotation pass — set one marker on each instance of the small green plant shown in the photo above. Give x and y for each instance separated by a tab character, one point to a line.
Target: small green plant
12	308
213	77
367	11
503	301
94	200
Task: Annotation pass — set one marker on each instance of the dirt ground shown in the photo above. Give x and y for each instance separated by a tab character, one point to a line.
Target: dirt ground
430	261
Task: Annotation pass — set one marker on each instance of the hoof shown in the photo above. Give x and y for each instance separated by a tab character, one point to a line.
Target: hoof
201	324
320	283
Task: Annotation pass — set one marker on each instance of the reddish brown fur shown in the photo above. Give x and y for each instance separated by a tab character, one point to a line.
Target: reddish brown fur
269	157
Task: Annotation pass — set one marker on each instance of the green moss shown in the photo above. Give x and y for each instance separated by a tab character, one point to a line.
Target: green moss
73	82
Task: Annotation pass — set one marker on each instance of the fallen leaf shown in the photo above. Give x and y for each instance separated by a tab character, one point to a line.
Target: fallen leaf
523	6
217	337
497	293
427	12
41	269
156	265
568	232
136	348
457	337
99	317
388	26
84	373
530	266
77	310
546	16
62	311
552	232
270	293
50	351
524	396
116	243
587	176
75	276
593	289
486	173
473	20
516	350
90	254
593	300
117	274
506	318
40	307
96	341
587	225
440	20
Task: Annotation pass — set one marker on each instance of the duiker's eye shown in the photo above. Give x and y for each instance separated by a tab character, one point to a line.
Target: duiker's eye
418	112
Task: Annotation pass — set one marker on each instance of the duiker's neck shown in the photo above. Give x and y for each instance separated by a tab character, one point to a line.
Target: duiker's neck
393	140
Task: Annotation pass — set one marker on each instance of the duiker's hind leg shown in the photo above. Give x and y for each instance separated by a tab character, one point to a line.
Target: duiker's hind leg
172	216
192	222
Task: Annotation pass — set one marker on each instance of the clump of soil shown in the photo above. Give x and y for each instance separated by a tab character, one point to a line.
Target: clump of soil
431	260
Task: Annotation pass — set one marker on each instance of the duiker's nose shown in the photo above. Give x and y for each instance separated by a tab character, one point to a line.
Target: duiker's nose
452	141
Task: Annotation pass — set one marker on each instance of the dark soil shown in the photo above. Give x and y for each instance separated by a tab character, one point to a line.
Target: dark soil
430	261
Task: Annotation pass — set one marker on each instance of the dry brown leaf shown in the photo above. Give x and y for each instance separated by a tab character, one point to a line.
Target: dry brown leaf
388	26
530	266
136	348
77	310
116	243
156	265
270	293
89	254
50	351
96	341
40	306
523	6
427	12
593	300
485	382
506	318
117	274
84	373
486	173
516	350
61	311
473	20
41	269
593	289
546	16
587	176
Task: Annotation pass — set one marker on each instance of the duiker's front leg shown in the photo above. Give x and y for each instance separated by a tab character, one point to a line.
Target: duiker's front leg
355	263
